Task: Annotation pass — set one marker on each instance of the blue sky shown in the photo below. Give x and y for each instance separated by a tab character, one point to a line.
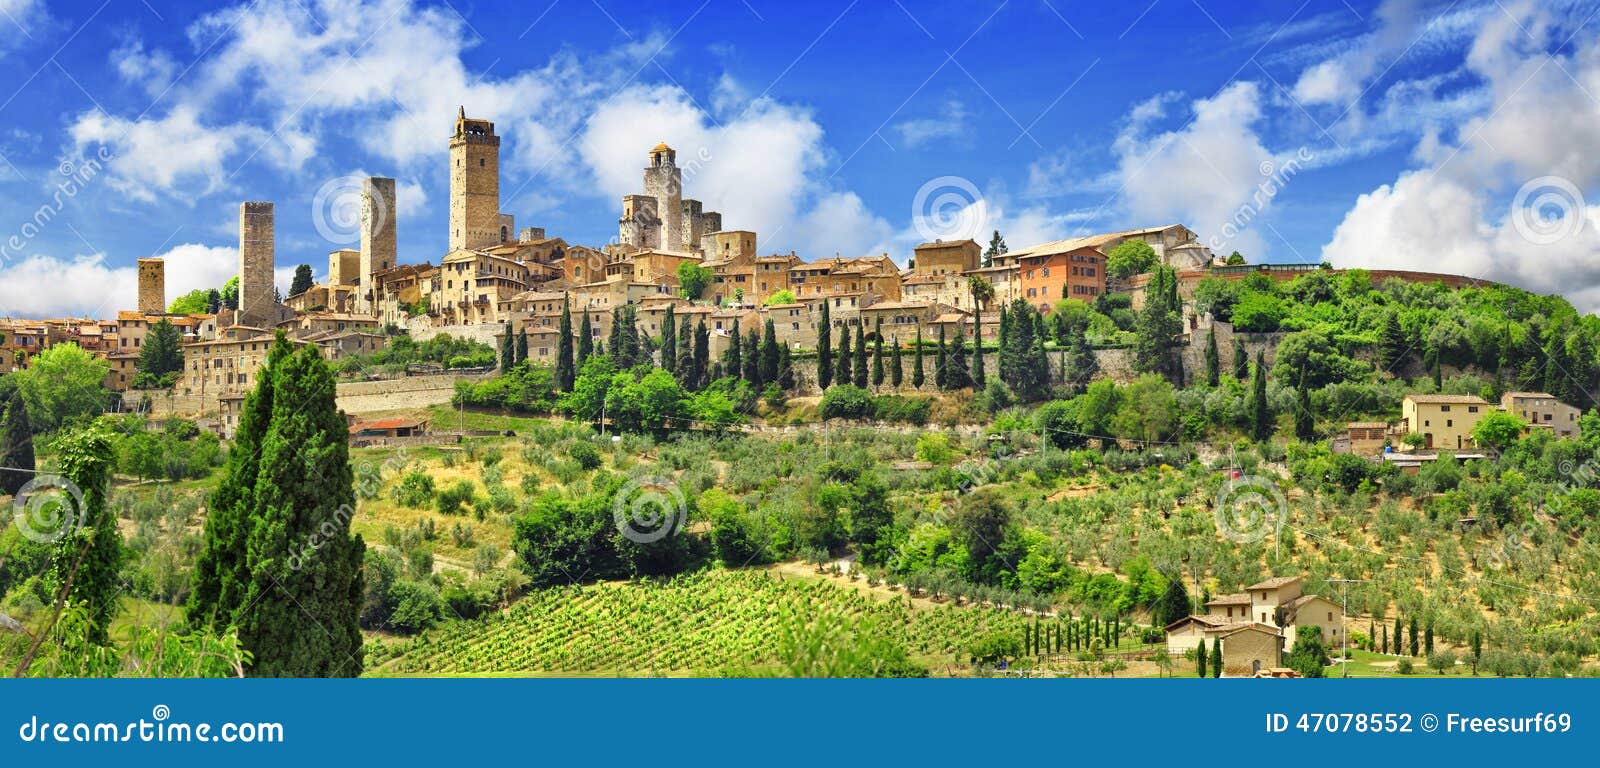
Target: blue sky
1450	136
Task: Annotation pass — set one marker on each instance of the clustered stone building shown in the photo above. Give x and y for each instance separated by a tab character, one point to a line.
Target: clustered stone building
496	277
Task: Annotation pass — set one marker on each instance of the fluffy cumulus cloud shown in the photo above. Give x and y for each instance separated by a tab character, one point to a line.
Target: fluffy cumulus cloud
1211	174
1507	196
20	21
89	286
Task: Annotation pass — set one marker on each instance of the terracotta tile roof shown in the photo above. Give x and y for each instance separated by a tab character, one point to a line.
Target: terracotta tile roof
1234	599
1447	399
1274	583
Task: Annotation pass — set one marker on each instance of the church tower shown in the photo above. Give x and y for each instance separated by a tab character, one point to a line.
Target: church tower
474	184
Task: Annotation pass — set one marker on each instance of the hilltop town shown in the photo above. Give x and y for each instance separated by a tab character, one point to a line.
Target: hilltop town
1087	456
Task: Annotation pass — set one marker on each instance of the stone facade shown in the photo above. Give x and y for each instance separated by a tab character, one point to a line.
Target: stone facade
344	267
378	246
152	286
474	184
661	218
256	259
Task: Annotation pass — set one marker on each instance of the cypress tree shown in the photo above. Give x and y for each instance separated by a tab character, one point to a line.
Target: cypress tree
897	371
564	367
1241	360
941	364
586	340
508	349
1399	637
1003	364
1305	423
16	443
752	361
300	616
877	356
958	360
978	376
733	358
702	353
684	365
522	344
1260	411
785	367
916	362
1213	361
1201	665
1413	636
824	349
221	577
89	554
1392	345
844	360
858	366
1384	646
1427	639
1216	657
615	341
161	353
769	353
669	340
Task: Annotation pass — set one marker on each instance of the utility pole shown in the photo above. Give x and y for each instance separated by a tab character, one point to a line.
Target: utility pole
1344	632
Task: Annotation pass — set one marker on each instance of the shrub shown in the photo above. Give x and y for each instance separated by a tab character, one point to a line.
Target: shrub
415	490
845	401
453	499
587	456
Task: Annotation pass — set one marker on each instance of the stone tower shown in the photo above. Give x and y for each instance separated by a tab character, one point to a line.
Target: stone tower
474	184
378	236
152	286
344	267
639	224
664	182
256	305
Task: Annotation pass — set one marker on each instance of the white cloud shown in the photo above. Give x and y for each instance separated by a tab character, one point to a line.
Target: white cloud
1203	174
20	21
154	71
86	286
1540	135
840	222
155	155
950	124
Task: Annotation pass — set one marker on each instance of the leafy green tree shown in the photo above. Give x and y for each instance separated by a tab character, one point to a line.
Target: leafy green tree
61	385
997	247
302	280
1158	323
1174	603
16	442
824	349
1261	423
88	556
693	279
161	357
1129	258
1309	655
1213	360
780	298
565	370
1498	430
1393	347
194	302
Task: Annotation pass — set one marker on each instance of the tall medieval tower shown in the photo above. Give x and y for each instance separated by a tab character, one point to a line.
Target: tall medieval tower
474	184
152	286
256	304
664	182
378	248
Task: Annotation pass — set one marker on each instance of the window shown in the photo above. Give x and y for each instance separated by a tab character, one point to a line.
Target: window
1472	409
1444	408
